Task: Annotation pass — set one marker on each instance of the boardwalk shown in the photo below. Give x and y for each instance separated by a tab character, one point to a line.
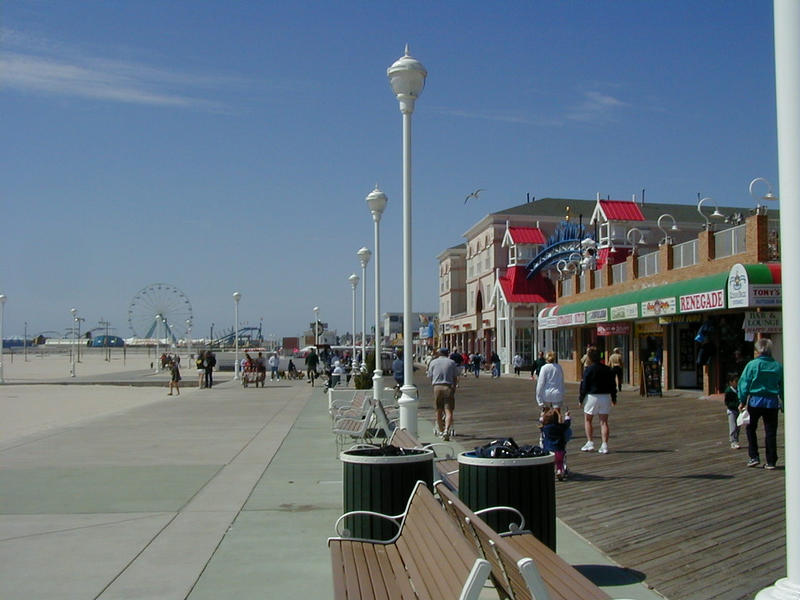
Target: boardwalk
671	501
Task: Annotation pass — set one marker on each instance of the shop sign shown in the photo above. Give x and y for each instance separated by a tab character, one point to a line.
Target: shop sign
599	315
613	329
741	294
680	319
660	306
548	323
738	285
571	319
703	301
626	311
648	327
763	322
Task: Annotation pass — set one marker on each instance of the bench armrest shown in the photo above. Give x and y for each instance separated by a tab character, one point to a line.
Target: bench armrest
344	533
513	527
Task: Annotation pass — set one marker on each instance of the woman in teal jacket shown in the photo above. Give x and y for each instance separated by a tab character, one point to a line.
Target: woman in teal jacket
761	391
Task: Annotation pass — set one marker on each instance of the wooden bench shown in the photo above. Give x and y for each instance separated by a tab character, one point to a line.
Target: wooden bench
428	558
445	464
354	408
522	566
339	400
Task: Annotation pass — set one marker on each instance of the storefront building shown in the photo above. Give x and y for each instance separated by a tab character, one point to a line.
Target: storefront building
690	324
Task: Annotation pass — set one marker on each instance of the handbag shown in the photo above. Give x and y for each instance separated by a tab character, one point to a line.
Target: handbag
743	418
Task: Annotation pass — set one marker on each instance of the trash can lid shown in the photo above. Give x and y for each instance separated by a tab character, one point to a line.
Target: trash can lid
369	456
469	458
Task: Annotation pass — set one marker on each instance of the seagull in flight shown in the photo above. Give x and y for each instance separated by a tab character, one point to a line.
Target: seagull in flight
474	194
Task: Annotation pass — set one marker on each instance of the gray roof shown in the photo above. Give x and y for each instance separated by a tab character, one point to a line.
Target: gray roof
556	207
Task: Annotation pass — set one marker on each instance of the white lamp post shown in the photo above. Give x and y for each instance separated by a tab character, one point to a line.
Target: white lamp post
353	279
407	78
189	337
74	312
363	256
667	239
376	201
2	309
236	297
787	87
716	213
316	326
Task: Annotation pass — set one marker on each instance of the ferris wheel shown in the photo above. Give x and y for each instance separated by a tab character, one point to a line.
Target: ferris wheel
160	310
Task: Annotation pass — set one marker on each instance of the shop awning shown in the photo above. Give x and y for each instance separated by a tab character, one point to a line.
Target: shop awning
694	295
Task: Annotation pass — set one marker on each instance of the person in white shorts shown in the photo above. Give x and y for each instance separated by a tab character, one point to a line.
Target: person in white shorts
598	393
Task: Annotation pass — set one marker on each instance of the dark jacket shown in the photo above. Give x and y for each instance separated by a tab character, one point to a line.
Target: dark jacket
598	379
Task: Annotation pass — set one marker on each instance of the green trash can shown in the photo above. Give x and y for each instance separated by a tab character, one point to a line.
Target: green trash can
379	483
527	484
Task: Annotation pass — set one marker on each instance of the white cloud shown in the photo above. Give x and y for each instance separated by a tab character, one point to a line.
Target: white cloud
596	107
35	65
498	116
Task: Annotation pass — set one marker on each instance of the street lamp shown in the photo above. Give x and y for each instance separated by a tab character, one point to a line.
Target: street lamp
769	196
353	279
667	239
376	201
363	256
407	78
189	337
316	326
634	242
74	312
236	297
716	212
2	309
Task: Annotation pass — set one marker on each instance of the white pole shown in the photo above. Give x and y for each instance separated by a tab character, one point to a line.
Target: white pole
377	375
363	316
787	86
74	312
353	279
316	330
2	310
236	297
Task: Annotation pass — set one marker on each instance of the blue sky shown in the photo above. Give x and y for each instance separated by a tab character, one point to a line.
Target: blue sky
223	146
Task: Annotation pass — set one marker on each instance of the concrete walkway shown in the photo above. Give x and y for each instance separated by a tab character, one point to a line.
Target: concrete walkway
113	493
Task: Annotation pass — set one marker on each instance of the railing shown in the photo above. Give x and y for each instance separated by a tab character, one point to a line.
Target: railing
619	272
648	264
599	280
583	283
730	241
567	287
684	255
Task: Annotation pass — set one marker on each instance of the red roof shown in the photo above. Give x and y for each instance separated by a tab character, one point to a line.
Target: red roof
518	288
527	235
621	210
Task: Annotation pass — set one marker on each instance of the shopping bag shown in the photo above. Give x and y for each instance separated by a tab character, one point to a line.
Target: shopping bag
743	418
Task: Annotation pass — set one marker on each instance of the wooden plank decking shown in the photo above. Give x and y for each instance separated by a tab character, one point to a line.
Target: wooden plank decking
672	501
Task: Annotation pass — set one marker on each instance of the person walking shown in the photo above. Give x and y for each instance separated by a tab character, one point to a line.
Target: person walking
538	364
616	362
209	362
495	365
550	384
761	392
311	362
444	378
274	363
397	369
476	364
456	357
175	378
598	393
201	371
517	362
556	432
732	409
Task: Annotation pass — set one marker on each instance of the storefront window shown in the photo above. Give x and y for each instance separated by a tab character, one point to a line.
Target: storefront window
565	343
524	344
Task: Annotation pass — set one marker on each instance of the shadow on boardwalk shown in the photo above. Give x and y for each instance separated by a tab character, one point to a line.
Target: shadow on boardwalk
671	501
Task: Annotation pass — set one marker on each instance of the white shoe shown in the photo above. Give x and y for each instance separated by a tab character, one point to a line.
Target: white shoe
588	446
603	449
